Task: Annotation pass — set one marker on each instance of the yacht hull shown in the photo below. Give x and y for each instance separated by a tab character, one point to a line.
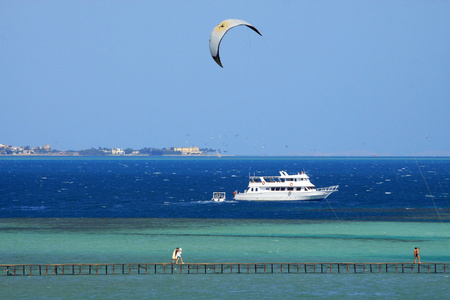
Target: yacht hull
282	196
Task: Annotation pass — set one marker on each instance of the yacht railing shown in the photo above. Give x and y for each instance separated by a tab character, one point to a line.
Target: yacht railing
333	188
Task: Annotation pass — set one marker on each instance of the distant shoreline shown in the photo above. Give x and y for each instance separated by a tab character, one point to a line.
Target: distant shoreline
118	155
222	155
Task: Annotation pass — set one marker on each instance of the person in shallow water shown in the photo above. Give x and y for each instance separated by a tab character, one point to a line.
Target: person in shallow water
174	255
416	254
179	255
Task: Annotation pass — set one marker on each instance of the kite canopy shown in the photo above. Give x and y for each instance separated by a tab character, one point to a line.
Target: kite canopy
218	33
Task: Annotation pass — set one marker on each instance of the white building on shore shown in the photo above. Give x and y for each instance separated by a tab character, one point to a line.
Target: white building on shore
188	150
117	151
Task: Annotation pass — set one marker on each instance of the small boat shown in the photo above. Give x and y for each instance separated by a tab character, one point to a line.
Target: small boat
218	197
285	187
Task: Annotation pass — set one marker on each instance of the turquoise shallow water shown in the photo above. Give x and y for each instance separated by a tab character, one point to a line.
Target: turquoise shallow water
229	286
219	240
222	240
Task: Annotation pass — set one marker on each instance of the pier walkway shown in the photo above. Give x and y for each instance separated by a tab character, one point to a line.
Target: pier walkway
219	268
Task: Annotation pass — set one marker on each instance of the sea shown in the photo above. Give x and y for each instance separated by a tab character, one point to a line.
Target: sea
139	209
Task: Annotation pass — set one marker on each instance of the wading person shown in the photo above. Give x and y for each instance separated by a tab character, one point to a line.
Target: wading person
179	255
416	254
174	255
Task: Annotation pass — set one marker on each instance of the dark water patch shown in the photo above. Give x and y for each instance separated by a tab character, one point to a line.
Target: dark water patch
387	189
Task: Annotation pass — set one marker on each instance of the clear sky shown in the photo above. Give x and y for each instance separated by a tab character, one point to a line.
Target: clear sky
325	78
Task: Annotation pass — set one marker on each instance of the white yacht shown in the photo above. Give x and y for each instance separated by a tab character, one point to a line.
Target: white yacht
218	197
285	187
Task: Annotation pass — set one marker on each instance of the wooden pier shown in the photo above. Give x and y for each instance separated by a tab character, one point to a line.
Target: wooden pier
220	268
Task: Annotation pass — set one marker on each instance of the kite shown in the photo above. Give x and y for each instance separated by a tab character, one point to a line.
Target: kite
218	33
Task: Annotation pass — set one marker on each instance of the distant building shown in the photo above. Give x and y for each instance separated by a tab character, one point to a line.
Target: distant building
16	149
188	150
117	151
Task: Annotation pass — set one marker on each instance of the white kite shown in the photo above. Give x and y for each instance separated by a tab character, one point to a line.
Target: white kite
218	33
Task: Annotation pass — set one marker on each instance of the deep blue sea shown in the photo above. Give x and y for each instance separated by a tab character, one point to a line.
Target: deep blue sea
181	187
137	210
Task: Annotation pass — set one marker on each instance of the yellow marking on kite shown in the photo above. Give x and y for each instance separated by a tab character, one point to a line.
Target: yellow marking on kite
222	27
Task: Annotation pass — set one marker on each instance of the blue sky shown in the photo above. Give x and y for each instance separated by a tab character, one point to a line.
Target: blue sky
325	78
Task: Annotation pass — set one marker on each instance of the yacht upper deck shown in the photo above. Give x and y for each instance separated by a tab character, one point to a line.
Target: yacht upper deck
297	179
